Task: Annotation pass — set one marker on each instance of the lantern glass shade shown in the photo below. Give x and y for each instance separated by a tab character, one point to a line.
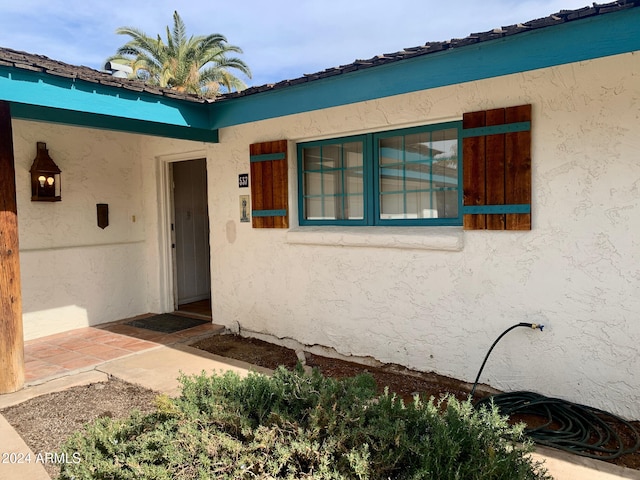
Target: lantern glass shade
45	177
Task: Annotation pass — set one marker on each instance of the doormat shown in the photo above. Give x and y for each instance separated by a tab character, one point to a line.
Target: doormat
167	323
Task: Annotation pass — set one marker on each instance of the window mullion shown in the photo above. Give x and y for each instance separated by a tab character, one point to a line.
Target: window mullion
430	160
322	195
342	185
404	174
371	165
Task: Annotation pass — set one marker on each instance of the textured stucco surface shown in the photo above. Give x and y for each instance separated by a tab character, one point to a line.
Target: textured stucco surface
75	274
433	299
436	300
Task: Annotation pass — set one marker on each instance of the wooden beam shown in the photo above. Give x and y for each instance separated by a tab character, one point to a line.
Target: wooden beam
11	337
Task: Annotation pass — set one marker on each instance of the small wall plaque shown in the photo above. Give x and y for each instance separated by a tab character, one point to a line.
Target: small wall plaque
244	208
103	215
243	180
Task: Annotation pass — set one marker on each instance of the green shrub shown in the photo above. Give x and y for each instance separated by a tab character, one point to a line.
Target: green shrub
293	425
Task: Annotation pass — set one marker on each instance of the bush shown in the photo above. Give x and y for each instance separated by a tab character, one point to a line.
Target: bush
293	425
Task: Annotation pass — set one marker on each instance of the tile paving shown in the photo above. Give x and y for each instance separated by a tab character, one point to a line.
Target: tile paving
85	348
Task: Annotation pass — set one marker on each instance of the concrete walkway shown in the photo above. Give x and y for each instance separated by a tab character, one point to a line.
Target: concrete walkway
159	369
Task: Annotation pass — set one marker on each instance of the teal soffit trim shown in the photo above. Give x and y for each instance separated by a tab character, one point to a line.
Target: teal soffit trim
104	122
585	39
42	97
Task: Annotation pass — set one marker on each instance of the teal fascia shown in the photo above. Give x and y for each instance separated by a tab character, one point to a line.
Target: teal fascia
599	36
72	101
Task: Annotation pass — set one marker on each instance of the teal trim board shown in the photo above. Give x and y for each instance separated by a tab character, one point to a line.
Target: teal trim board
104	122
496	209
574	41
496	129
266	157
39	89
268	213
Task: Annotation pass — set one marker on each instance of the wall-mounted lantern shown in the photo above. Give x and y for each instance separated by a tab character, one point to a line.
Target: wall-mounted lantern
45	177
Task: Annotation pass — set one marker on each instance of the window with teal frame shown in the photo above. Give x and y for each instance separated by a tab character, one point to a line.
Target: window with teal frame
396	178
332	181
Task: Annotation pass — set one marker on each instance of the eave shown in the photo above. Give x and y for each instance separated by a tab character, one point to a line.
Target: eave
586	39
42	89
34	95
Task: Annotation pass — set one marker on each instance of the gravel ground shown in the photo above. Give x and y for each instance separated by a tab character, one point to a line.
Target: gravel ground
46	422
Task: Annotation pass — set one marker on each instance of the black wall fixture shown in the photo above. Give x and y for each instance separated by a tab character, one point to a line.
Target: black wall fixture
103	215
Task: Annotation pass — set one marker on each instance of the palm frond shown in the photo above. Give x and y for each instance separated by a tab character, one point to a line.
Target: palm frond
197	64
179	29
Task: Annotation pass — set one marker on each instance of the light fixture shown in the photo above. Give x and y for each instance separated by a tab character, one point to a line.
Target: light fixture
45	177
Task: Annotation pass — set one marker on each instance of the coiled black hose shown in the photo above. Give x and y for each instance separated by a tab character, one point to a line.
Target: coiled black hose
580	429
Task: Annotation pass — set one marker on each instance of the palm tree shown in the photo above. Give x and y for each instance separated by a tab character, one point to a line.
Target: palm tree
197	65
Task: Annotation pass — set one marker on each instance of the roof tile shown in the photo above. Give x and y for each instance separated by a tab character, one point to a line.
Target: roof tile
40	63
431	47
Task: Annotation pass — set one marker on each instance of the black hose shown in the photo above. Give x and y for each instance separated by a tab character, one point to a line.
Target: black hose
580	429
521	324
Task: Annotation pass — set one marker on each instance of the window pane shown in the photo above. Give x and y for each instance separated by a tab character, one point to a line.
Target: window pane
333	182
417	147
354	181
311	158
352	154
313	183
391	179
313	208
390	150
331	208
418	175
422	205
355	207
331	156
392	206
447	204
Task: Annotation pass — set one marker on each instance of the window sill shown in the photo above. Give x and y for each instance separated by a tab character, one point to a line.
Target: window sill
449	239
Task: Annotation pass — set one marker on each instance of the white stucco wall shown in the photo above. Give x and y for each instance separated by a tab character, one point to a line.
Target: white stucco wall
73	273
434	299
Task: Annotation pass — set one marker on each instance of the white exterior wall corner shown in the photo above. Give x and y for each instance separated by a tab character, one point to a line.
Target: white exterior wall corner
73	273
576	271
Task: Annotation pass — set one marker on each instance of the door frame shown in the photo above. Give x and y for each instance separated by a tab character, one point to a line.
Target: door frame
167	272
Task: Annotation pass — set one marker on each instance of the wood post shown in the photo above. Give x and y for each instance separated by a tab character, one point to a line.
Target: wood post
11	336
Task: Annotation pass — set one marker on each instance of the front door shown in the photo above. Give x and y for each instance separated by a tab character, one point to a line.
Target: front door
192	278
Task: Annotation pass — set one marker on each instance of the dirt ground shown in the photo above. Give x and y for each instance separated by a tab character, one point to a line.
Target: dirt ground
405	383
47	421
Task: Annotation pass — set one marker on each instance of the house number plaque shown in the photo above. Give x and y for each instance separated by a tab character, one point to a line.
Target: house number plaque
243	180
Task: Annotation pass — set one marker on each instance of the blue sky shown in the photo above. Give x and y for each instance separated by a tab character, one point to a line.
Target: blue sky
281	39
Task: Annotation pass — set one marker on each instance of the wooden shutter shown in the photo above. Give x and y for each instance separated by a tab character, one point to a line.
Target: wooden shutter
269	185
497	169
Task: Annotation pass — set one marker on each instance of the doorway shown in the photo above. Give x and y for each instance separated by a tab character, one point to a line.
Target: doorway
190	237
